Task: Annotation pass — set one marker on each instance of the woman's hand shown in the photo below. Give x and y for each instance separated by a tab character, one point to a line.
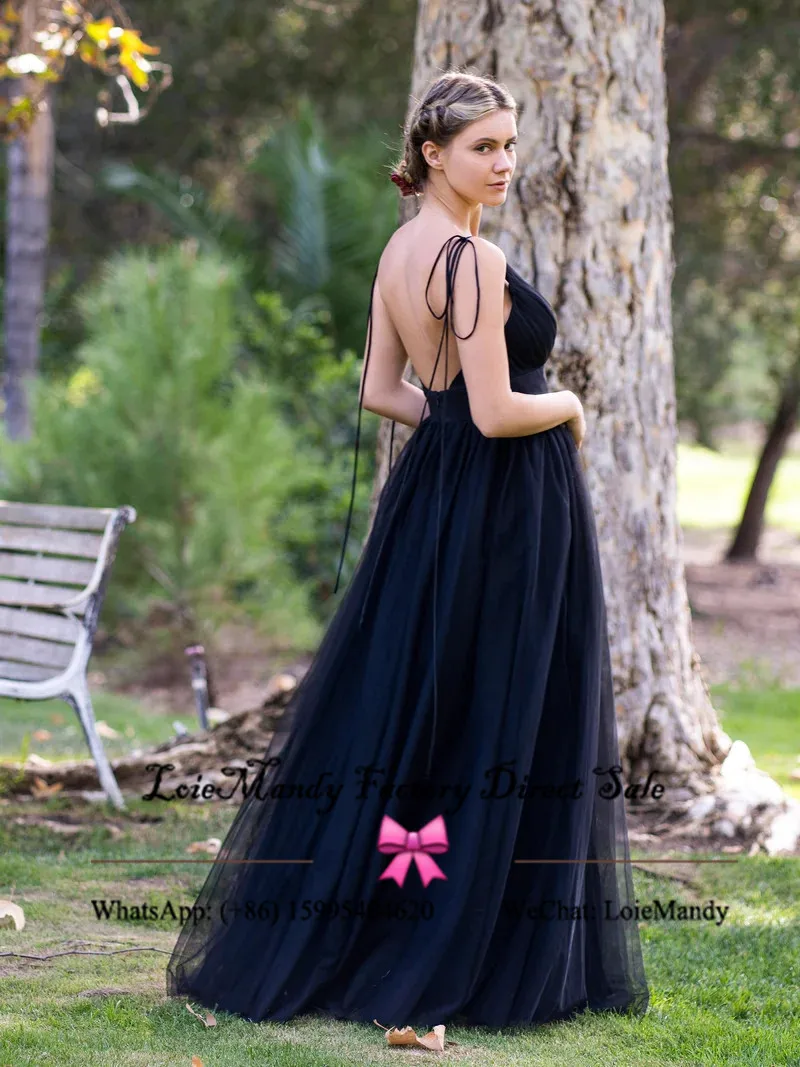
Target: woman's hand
577	424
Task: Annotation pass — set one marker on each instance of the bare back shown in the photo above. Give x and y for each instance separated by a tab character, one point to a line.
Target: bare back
403	274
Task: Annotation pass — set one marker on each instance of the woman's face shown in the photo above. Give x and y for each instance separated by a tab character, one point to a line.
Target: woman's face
481	155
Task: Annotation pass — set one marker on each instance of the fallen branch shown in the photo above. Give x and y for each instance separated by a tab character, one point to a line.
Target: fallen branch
81	952
672	877
240	737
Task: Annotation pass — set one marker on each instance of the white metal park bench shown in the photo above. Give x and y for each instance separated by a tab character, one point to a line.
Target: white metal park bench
54	566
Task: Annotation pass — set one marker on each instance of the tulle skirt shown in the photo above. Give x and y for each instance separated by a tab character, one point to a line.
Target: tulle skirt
458	719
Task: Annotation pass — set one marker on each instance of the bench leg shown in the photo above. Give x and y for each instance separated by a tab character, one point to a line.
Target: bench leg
81	701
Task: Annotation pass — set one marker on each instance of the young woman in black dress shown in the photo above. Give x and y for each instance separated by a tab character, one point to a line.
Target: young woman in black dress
431	838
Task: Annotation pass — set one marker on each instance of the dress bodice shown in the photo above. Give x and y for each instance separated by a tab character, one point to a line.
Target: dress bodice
530	330
530	333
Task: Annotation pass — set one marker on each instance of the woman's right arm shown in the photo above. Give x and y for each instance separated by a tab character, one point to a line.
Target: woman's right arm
496	409
525	413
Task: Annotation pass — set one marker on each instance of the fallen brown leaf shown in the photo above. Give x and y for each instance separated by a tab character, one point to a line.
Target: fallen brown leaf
211	846
434	1039
406	1035
209	1019
40	788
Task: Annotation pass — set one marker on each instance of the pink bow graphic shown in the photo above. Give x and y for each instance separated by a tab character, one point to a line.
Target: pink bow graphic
413	844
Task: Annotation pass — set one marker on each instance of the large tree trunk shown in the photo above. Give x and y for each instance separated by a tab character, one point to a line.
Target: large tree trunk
588	221
30	179
745	542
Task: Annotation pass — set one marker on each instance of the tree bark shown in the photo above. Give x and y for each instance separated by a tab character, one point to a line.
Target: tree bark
588	220
30	179
745	542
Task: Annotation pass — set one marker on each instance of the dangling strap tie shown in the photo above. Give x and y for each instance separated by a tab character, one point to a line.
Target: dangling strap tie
451	266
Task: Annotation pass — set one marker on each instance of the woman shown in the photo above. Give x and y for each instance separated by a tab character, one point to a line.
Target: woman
453	734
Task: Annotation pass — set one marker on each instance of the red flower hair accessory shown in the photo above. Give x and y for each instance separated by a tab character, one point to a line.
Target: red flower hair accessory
406	187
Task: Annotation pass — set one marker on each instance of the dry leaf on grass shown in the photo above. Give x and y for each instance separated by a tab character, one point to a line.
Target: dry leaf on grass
211	846
11	913
104	730
406	1035
196	1061
209	1019
40	788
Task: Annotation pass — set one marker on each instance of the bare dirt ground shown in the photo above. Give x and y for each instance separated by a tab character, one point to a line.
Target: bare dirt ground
745	617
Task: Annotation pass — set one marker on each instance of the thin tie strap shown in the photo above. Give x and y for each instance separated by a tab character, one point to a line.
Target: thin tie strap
358	430
451	265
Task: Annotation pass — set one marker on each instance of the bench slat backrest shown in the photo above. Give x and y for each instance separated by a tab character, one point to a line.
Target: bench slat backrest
46	569
54	560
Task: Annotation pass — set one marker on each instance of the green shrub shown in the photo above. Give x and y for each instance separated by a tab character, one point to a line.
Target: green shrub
234	480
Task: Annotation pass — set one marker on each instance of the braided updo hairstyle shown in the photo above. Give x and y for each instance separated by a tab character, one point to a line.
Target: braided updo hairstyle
451	102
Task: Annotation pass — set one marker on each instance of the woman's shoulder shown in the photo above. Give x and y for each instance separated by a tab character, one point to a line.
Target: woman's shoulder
423	245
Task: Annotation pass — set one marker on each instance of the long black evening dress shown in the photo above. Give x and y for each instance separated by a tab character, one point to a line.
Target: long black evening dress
459	712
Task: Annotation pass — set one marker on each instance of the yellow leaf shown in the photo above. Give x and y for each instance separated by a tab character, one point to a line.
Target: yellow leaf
100	31
130	41
83	384
20	109
90	53
133	66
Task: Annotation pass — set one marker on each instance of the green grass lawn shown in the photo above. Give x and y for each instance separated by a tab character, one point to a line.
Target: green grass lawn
722	994
769	721
138	726
719	994
713	487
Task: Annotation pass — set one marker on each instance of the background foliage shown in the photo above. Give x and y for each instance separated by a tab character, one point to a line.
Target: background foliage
210	269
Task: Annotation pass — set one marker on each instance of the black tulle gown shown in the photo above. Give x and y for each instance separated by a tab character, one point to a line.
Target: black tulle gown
456	711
